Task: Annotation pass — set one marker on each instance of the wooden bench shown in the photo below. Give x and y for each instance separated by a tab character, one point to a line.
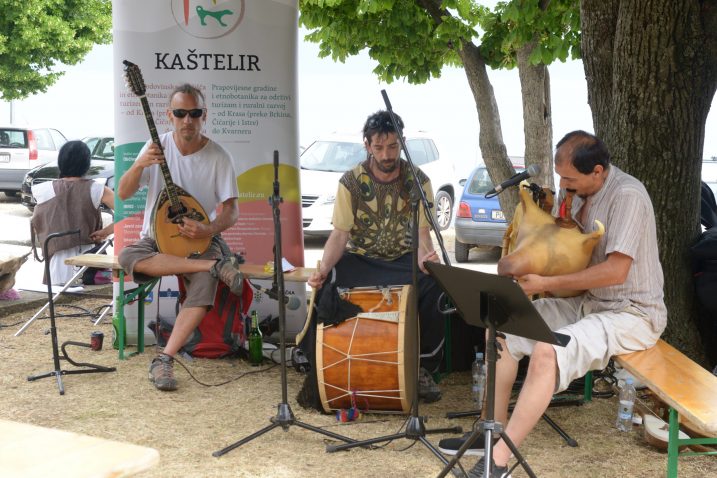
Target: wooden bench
30	451
687	388
124	297
139	294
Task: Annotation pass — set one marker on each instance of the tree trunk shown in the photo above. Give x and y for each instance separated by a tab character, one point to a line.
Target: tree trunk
490	138
651	79
537	117
598	20
490	135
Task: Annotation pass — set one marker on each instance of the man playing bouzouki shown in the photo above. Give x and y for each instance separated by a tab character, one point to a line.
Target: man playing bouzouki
203	169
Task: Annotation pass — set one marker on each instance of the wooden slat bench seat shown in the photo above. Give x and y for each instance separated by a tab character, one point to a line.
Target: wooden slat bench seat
687	388
139	294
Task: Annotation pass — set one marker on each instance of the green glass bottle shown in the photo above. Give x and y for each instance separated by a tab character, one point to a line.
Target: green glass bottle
255	342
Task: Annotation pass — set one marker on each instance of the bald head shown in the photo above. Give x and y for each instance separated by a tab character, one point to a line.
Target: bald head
583	150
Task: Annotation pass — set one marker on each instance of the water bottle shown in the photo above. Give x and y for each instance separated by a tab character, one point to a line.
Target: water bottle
478	385
627	403
255	341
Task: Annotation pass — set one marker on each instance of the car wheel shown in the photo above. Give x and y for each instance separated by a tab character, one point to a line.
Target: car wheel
444	210
11	194
462	251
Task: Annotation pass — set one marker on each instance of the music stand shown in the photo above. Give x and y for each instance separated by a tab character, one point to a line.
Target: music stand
500	304
284	417
58	372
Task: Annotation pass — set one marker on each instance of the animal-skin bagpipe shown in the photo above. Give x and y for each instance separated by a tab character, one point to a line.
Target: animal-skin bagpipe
538	243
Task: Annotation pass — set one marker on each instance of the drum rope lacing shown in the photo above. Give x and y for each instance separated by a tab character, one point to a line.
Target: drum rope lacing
387	298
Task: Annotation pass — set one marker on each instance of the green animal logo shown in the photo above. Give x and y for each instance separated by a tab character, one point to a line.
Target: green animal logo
208	18
217	15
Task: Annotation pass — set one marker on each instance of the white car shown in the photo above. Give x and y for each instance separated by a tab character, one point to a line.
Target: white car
327	158
22	149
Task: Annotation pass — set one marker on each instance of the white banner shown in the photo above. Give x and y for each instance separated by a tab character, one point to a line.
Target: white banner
242	55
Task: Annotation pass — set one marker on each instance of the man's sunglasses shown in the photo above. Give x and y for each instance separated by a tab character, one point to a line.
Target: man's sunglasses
194	113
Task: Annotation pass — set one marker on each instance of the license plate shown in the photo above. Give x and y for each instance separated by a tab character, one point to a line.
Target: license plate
497	215
4	157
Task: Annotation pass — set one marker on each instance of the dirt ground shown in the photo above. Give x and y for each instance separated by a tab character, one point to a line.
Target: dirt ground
186	426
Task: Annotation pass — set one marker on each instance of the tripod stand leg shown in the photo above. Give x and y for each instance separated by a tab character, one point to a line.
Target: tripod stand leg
568	439
333	448
323	432
467	413
517	455
433	450
246	439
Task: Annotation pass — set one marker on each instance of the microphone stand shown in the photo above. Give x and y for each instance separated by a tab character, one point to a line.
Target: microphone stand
415	428
284	417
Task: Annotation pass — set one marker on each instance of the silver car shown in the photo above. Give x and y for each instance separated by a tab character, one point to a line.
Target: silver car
326	159
22	149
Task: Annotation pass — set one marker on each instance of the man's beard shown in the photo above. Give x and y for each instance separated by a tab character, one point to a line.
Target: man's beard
386	166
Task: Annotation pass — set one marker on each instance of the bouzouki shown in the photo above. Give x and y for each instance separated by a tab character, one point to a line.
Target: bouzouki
173	204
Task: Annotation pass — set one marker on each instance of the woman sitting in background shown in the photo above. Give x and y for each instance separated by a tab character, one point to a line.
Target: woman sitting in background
69	203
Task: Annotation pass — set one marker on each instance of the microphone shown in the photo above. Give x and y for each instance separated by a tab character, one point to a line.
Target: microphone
533	170
292	302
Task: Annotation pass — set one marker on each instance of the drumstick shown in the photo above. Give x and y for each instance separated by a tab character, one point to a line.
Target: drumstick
301	334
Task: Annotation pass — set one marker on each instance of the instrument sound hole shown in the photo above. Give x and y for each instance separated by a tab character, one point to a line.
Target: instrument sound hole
176	214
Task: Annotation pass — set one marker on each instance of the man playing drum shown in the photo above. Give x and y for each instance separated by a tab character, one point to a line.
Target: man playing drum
372	215
621	311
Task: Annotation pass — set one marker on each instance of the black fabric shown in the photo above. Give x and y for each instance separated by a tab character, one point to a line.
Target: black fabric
331	309
705	249
704	256
708	209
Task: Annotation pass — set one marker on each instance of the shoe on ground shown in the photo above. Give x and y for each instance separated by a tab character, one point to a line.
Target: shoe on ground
450	446
227	271
161	373
428	390
478	470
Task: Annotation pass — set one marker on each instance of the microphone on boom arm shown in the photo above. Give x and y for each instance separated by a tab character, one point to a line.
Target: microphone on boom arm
532	170
291	301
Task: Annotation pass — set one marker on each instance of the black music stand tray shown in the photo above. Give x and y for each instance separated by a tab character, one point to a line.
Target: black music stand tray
58	372
496	303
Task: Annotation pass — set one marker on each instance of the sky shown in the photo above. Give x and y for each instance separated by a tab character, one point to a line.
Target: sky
338	97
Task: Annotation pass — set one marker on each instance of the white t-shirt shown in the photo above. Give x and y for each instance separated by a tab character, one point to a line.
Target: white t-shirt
208	175
59	271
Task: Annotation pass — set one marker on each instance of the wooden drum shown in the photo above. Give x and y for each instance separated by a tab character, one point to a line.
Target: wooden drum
372	356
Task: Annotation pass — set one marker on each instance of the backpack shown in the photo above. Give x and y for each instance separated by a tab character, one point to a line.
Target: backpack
221	332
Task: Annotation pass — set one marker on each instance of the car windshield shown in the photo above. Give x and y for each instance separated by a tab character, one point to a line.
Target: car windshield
481	183
12	138
101	147
337	156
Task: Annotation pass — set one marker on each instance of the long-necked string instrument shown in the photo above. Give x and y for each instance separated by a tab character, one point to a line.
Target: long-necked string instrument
174	203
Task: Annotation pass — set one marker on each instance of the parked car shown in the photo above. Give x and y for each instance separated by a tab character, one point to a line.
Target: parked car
102	168
479	220
22	149
326	159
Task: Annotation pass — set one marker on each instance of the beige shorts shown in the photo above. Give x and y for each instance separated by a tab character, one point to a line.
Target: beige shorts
200	287
595	335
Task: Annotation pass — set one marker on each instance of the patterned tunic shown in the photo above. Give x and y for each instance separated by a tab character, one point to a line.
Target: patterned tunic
377	215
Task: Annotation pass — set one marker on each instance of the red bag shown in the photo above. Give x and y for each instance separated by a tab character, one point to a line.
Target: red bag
221	331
